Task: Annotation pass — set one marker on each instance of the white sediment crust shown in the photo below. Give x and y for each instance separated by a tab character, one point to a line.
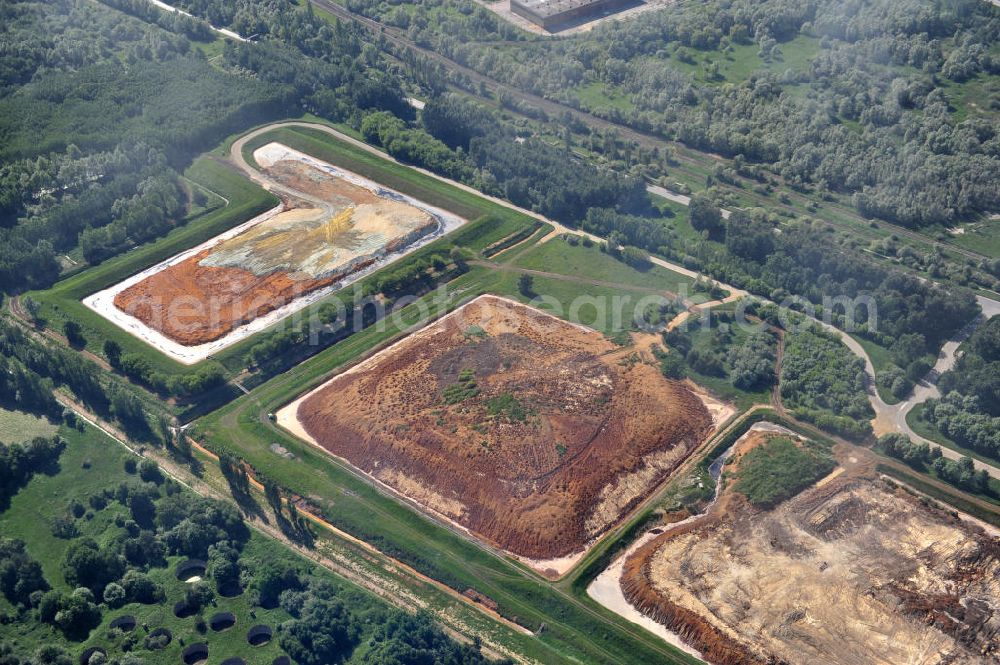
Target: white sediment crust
606	589
102	302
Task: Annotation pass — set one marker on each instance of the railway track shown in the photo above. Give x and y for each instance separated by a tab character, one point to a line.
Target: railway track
552	108
396	38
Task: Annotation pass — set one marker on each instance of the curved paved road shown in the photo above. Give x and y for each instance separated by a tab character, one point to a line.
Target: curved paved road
236	156
892	417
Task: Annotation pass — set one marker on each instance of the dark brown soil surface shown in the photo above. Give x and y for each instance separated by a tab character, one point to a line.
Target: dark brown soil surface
194	304
551	436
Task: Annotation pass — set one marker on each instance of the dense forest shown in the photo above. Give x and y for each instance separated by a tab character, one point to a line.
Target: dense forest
922	456
837	97
90	118
823	382
746	361
804	261
461	140
119	538
99	110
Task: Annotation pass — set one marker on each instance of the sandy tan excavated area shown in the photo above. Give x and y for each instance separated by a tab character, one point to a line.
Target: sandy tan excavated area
534	434
331	227
852	571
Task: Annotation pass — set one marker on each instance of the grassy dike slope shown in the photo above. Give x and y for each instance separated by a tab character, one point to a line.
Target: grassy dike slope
62	302
244	199
575	628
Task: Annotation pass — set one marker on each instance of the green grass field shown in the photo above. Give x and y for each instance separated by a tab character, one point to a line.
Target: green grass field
558	256
607	310
18	426
981	236
598	95
676	217
973	98
741	60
